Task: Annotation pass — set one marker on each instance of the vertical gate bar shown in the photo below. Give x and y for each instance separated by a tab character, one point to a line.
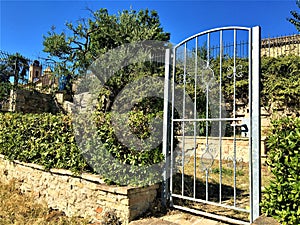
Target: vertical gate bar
172	126
250	123
256	129
208	48
207	89
234	115
166	128
220	116
206	133
183	115
195	115
241	50
206	184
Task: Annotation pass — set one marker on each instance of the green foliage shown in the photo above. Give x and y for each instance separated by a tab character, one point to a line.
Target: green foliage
282	196
212	75
43	139
242	78
138	125
13	67
94	36
295	20
5	88
116	162
90	39
281	82
48	140
123	149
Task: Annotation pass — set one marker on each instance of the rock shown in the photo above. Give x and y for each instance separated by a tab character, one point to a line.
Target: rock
263	220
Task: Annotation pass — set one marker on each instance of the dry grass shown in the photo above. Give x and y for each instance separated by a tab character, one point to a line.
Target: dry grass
17	208
242	186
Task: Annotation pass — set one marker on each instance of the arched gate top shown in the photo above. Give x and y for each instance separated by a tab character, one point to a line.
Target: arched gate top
212	31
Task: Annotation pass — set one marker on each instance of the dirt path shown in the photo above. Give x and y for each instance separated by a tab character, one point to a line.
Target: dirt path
178	218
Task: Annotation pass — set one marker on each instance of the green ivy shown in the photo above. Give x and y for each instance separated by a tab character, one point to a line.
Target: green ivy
282	196
281	82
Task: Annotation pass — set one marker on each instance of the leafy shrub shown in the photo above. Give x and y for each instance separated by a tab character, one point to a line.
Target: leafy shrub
44	139
49	140
5	88
119	159
125	146
282	196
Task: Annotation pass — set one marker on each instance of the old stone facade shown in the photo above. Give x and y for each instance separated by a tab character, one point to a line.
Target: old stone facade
84	195
31	101
40	79
274	47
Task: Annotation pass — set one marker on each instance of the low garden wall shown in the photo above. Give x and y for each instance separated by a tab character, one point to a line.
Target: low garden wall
85	195
241	145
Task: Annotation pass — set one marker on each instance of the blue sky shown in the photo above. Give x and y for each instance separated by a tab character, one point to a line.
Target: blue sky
23	23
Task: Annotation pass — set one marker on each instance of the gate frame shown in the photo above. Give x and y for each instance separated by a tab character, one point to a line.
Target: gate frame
254	131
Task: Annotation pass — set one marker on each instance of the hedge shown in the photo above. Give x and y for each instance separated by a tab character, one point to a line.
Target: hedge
44	139
49	140
282	196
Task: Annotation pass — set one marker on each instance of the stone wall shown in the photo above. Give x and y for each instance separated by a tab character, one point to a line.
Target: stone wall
275	47
227	144
31	101
84	196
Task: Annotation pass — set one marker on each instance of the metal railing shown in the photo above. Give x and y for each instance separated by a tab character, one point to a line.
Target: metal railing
283	45
270	47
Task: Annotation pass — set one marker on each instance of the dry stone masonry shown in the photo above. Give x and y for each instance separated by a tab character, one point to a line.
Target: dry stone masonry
84	195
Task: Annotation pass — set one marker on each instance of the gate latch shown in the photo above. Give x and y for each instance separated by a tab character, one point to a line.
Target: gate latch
243	125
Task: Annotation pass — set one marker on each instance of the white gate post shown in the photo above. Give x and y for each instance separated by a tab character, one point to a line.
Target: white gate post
166	132
256	125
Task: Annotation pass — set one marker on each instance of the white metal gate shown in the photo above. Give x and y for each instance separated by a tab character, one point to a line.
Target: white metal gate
212	127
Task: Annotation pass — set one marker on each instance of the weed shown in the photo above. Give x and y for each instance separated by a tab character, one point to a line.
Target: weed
110	218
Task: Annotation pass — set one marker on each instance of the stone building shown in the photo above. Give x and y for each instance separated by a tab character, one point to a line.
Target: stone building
41	80
274	47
